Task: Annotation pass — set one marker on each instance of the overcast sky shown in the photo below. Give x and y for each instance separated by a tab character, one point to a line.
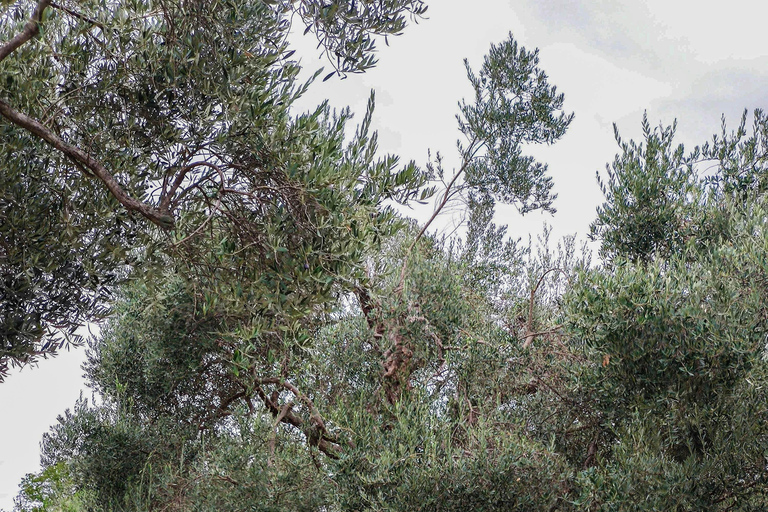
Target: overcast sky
612	59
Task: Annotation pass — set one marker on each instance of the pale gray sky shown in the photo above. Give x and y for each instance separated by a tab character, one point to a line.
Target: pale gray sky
612	59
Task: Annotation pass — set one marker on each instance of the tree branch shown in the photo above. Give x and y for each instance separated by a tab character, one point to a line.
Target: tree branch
530	335
31	29
368	307
79	156
77	15
470	153
316	432
165	201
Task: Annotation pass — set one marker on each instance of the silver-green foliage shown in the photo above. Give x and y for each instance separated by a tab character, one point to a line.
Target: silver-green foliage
179	112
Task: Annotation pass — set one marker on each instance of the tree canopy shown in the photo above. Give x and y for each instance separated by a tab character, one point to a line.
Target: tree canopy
177	112
277	335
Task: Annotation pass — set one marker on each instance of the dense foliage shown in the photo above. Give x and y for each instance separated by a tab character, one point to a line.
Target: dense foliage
178	112
276	336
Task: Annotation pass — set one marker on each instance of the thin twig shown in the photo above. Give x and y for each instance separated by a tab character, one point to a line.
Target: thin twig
77	15
471	151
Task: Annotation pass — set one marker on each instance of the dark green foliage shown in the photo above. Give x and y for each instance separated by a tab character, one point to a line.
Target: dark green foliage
162	359
677	337
514	105
59	256
347	29
648	195
660	199
740	157
106	451
421	465
686	332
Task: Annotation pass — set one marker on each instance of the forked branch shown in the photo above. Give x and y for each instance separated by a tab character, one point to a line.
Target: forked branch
530	334
316	432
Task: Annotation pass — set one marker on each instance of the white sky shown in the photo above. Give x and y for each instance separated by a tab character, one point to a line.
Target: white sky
612	59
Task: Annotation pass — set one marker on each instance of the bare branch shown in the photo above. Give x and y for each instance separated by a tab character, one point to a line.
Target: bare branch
530	335
165	200
273	439
316	432
470	153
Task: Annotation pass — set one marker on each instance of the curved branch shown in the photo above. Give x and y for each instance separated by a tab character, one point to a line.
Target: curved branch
31	29
316	432
80	157
167	197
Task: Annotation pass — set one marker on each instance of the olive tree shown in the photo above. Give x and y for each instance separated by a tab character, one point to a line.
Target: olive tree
132	130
